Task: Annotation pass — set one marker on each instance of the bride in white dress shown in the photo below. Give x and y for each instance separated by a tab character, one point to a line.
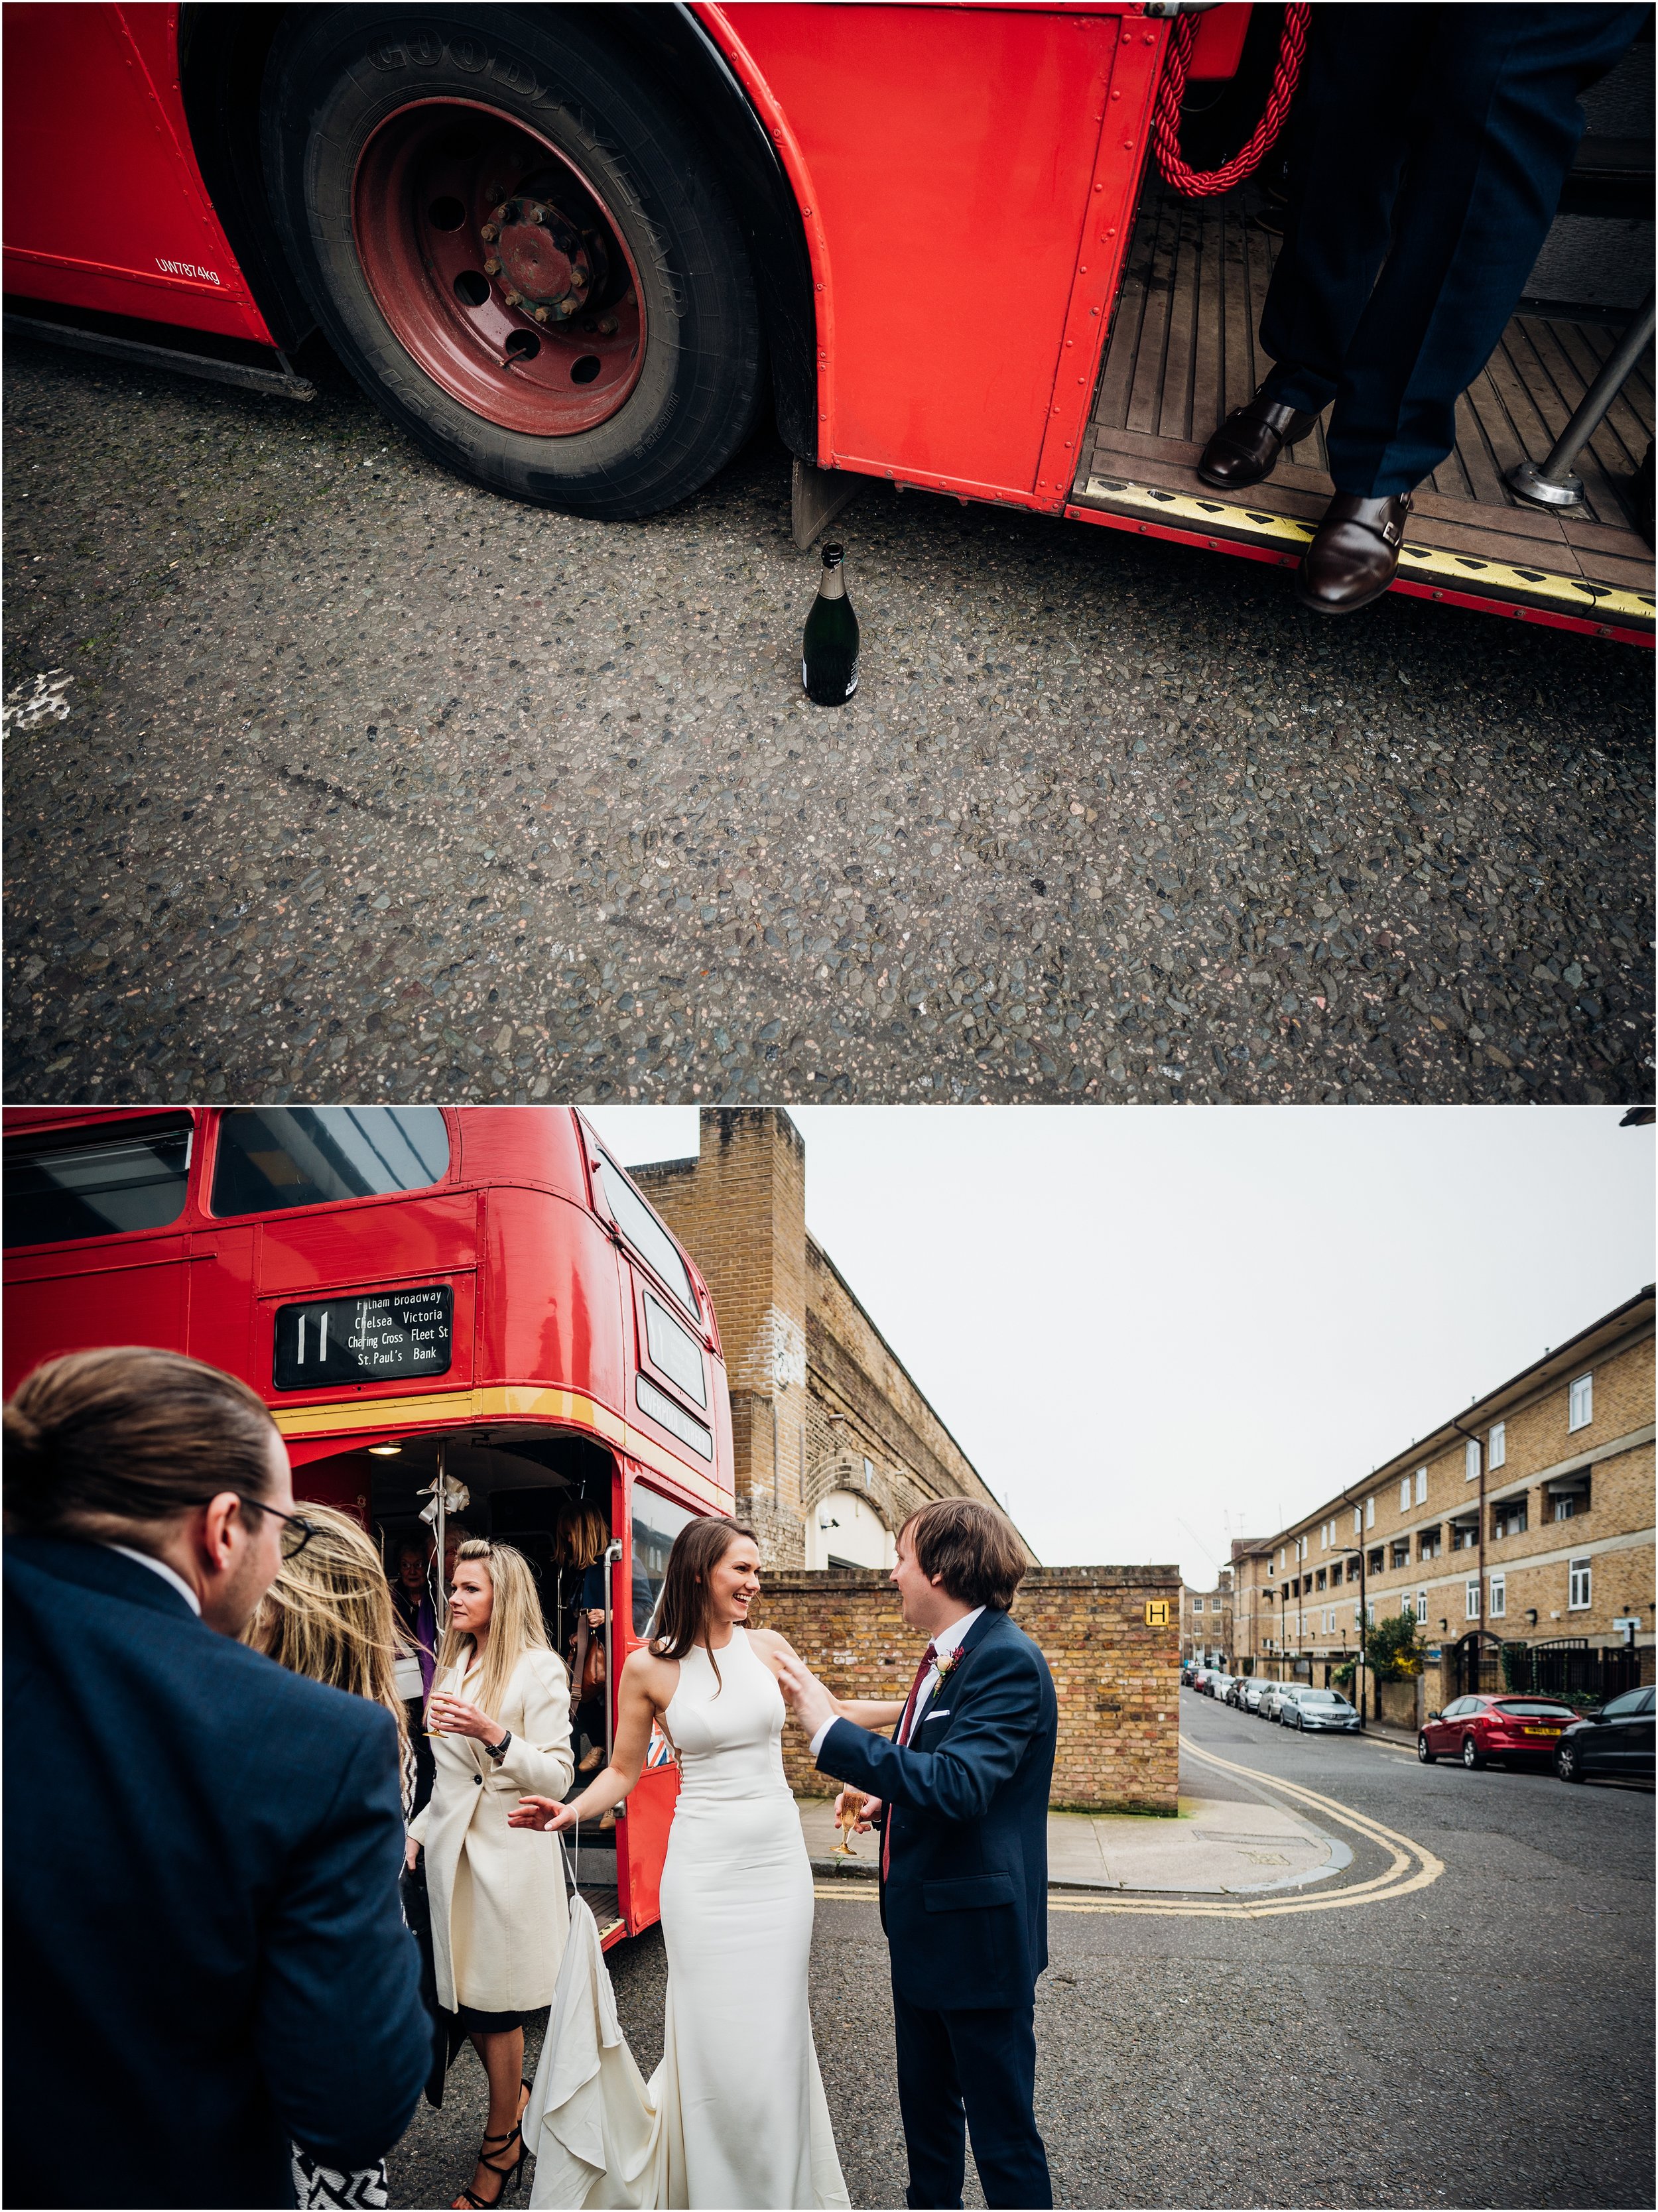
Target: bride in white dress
735	2115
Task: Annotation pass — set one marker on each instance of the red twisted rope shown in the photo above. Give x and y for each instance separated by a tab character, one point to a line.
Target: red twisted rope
1166	123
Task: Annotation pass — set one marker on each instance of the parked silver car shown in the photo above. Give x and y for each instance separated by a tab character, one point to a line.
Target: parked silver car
1254	1689
1217	1685
1319	1709
1272	1697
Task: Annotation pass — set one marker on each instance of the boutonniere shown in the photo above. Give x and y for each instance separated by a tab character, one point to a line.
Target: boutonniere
947	1665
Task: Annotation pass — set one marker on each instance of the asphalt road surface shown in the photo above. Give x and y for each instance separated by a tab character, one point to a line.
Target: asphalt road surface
1471	2024
371	785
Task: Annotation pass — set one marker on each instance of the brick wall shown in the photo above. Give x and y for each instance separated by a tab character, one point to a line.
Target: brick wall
1118	1680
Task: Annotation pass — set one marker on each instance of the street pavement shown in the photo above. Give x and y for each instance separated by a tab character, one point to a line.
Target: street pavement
367	784
1460	2017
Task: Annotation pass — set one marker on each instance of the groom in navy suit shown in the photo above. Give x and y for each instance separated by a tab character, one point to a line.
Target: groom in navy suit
963	1804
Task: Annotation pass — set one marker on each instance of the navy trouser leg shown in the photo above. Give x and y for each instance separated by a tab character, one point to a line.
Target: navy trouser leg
930	2100
976	2070
1348	148
1464	121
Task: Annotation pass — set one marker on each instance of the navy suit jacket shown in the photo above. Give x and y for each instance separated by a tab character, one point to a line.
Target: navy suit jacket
964	1903
205	1955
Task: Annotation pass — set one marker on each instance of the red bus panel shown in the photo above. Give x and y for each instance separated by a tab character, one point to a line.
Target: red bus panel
105	207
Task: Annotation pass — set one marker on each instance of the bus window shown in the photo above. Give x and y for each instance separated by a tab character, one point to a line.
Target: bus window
656	1522
674	1350
96	1183
277	1156
646	1234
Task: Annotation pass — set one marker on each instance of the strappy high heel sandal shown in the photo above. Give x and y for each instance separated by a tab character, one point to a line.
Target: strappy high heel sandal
510	2175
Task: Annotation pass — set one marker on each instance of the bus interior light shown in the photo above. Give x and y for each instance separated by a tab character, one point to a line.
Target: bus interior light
384	1451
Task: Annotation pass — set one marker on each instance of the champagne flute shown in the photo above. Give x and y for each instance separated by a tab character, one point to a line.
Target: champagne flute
851	1805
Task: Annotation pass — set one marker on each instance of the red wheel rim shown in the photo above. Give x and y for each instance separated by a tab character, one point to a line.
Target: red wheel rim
499	267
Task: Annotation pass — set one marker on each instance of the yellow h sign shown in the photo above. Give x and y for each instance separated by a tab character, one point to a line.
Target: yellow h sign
1157	1613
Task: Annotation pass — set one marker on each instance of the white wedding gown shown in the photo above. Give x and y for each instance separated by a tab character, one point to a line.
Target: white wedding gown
735	2115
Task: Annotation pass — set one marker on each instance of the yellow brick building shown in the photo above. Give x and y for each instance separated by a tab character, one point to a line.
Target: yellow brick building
1526	1521
1206	1622
835	1446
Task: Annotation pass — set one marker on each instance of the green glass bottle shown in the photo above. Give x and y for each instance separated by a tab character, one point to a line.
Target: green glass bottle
829	655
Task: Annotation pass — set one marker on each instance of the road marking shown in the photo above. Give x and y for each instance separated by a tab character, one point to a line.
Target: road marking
1411	1866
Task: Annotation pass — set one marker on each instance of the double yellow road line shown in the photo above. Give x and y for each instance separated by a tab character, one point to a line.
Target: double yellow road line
1410	1866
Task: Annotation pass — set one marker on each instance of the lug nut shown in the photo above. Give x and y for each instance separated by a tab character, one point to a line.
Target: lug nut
541	315
514	299
607	325
535	215
490	234
491	267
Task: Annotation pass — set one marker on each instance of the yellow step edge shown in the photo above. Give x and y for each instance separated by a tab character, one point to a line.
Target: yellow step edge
1461	571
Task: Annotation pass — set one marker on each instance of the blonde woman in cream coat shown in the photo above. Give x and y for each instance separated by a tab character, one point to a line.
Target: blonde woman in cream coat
500	1714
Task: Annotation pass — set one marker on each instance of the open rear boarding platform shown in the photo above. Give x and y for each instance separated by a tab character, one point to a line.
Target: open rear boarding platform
1182	352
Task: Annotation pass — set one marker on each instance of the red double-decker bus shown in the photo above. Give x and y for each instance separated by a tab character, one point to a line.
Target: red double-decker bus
473	1299
571	250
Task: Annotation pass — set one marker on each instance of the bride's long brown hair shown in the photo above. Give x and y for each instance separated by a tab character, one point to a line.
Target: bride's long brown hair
684	1608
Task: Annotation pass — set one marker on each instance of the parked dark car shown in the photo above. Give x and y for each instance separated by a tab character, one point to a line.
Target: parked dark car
1477	1730
1617	1740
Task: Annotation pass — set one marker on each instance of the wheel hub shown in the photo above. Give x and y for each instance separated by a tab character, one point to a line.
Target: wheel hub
539	260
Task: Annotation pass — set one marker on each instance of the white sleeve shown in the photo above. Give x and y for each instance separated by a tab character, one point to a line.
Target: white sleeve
816	1745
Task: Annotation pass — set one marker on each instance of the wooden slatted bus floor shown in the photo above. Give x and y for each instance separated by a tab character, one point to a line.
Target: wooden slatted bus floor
1182	351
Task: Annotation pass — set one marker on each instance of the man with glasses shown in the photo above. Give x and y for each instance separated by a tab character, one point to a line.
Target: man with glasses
206	1961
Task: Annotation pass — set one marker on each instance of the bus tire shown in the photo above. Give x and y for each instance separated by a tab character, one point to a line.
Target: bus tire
601	351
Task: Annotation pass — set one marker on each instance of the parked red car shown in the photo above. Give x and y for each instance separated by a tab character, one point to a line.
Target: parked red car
1476	1730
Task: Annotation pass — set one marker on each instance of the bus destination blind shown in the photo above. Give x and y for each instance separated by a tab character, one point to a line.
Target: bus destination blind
381	1337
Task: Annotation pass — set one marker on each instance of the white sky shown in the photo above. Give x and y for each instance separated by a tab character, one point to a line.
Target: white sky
1152	1329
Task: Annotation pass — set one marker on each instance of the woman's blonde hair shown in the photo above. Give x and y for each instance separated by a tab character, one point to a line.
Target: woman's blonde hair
328	1615
579	1535
515	1622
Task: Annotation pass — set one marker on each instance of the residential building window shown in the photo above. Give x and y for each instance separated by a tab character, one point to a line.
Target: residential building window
1370	1613
1405	1495
1496	1445
869	1475
1422	1605
1406	1611
1510	1517
1372	1560
1401	1554
1578	1586
1580	1403
1567	1506
1321	1579
1422	1485
1370	1512
1357	1622
1324	1535
1471	1599
1499	1596
1471	1461
1428	1547
1358	1521
1196	1605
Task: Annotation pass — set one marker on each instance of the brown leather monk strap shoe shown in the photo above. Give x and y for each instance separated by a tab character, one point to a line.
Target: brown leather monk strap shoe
1354	555
1246	448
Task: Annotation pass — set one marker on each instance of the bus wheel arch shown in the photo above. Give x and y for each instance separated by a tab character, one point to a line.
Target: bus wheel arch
363	108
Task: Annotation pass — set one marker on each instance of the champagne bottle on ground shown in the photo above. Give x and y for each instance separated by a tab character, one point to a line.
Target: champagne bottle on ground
829	656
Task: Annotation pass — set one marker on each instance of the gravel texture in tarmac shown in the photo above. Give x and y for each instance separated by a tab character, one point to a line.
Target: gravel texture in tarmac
373	785
1485	2040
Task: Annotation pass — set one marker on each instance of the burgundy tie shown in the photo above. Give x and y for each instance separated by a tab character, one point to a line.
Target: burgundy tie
927	1659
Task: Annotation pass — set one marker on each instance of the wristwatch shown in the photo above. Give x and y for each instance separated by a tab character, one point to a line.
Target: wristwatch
499	1750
